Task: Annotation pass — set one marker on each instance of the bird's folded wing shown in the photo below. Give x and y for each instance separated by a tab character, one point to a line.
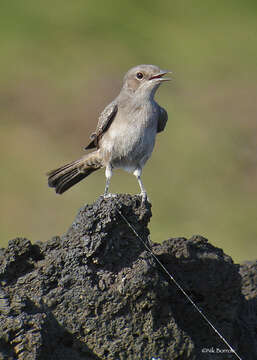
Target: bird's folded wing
163	118
105	120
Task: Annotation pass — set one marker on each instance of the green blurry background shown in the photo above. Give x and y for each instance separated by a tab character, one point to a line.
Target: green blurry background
61	62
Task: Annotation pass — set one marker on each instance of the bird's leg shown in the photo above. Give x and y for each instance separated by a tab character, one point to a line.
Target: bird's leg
108	175
143	193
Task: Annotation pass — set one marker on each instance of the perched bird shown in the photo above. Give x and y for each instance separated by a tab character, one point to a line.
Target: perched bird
125	133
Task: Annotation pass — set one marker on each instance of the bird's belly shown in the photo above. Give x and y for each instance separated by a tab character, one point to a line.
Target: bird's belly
129	146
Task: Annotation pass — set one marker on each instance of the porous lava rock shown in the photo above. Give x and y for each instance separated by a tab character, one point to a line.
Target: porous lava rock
97	293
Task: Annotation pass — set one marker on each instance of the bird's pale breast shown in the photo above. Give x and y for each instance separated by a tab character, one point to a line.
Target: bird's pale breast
130	139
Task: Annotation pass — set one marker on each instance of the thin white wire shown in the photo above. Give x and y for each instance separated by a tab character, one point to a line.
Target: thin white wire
180	288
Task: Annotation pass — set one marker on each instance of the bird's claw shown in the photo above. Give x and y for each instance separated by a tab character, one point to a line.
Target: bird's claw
109	195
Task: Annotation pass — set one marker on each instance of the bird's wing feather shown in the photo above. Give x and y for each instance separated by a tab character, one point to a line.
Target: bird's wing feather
163	118
104	121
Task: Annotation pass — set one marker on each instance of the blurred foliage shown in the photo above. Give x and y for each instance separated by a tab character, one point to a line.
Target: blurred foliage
61	62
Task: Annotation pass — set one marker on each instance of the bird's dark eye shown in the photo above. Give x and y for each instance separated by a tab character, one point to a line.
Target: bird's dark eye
140	75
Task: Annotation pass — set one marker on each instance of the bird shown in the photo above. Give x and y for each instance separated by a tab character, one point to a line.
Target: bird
125	134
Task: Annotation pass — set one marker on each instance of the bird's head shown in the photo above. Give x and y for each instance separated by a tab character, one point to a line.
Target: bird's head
144	80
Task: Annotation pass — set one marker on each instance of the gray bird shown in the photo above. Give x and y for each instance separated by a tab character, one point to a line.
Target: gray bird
125	133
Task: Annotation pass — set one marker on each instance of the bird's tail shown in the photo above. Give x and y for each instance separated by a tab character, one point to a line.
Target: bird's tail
68	175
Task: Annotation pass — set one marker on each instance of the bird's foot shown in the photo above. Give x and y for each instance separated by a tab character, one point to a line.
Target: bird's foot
144	196
109	195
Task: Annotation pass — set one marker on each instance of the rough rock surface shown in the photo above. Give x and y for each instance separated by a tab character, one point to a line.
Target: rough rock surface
97	293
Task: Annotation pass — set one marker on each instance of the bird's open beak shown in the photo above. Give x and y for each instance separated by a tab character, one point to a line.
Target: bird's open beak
160	76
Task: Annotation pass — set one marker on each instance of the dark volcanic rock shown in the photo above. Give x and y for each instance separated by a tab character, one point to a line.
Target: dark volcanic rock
97	293
248	312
